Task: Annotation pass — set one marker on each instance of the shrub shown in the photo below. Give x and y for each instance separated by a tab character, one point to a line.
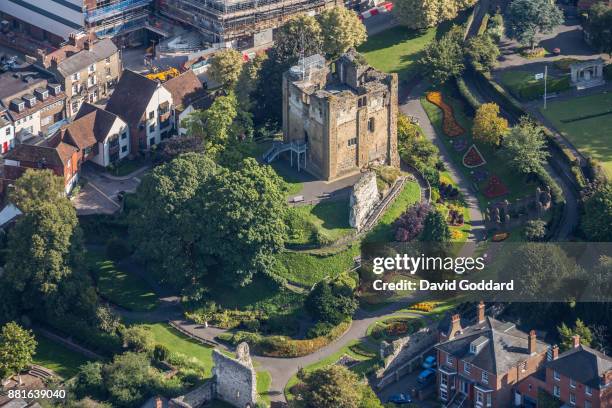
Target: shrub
117	249
538	52
161	352
410	224
319	329
137	338
535	230
327	303
467	94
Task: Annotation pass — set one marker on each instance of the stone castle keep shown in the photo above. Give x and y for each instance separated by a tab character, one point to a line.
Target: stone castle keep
340	118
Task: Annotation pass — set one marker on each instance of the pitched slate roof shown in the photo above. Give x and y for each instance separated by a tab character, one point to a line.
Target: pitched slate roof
184	89
583	364
50	156
82	59
131	96
506	346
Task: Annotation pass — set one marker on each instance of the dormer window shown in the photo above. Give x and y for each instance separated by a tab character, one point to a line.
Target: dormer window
55	89
30	100
478	344
18	105
42	93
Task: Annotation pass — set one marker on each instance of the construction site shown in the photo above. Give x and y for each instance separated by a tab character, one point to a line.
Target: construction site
241	23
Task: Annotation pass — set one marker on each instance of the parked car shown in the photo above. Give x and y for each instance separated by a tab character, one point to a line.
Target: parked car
429	362
400	399
426	376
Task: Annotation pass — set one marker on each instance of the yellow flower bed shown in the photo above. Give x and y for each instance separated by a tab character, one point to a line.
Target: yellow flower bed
450	126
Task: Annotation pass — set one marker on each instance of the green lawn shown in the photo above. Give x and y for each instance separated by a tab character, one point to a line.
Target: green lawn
523	85
120	287
264	380
396	50
125	167
592	136
58	358
517	186
293	179
327	221
179	343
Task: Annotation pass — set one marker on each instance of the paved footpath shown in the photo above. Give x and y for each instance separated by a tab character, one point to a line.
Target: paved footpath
411	106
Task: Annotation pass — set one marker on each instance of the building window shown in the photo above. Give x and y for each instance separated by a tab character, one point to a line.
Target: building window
75	106
489	400
152	141
124	136
449	359
572	398
485	377
467	367
7	131
123	149
444	379
443	395
91	68
479	398
151	114
75	89
152	127
76	76
556	391
371	124
523	366
556	375
572	383
588	390
108	59
107	71
352	142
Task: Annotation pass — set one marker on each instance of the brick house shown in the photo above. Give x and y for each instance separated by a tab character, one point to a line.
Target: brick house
95	135
186	90
87	68
479	364
146	106
7	133
580	377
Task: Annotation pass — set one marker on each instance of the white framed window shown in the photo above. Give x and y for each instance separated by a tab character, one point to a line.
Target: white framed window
489	399
556	391
588	390
523	366
352	142
556	375
449	359
443	395
444	379
479	397
467	367
485	377
91	68
76	76
108	60
572	383
572	398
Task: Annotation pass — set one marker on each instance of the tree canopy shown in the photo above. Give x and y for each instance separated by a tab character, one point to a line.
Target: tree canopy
599	27
525	147
225	67
443	59
596	221
482	53
341	30
526	20
17	347
488	126
420	14
435	228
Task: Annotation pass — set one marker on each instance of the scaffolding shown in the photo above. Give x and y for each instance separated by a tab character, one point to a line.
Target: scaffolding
113	17
227	20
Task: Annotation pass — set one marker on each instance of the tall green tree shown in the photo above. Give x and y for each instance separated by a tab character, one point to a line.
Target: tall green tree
580	329
17	347
225	67
35	186
596	222
482	53
443	59
247	81
435	228
599	27
331	387
341	30
165	230
242	237
525	147
526	20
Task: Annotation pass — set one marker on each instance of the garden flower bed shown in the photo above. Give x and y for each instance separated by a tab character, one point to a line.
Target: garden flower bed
495	188
450	126
473	158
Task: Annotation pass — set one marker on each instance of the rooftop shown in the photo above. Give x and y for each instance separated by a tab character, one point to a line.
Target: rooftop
583	364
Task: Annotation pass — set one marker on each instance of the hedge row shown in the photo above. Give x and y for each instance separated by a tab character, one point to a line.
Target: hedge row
86	336
557	199
282	346
484	24
467	94
568	157
534	90
509	102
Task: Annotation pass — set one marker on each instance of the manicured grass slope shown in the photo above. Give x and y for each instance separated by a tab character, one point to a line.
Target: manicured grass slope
120	287
328	218
396	50
58	358
592	136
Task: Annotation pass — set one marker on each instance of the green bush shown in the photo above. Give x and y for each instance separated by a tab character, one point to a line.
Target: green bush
319	329
535	53
483	24
138	338
467	95
161	352
533	90
563	64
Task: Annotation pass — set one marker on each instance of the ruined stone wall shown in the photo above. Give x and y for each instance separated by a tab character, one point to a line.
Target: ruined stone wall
364	198
236	381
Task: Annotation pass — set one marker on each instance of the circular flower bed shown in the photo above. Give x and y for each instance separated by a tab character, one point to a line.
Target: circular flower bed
495	188
472	158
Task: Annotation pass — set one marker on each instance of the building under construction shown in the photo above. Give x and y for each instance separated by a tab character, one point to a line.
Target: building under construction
245	23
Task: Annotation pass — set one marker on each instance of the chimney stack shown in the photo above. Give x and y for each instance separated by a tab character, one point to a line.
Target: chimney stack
555	352
576	340
158	402
481	312
455	326
531	347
